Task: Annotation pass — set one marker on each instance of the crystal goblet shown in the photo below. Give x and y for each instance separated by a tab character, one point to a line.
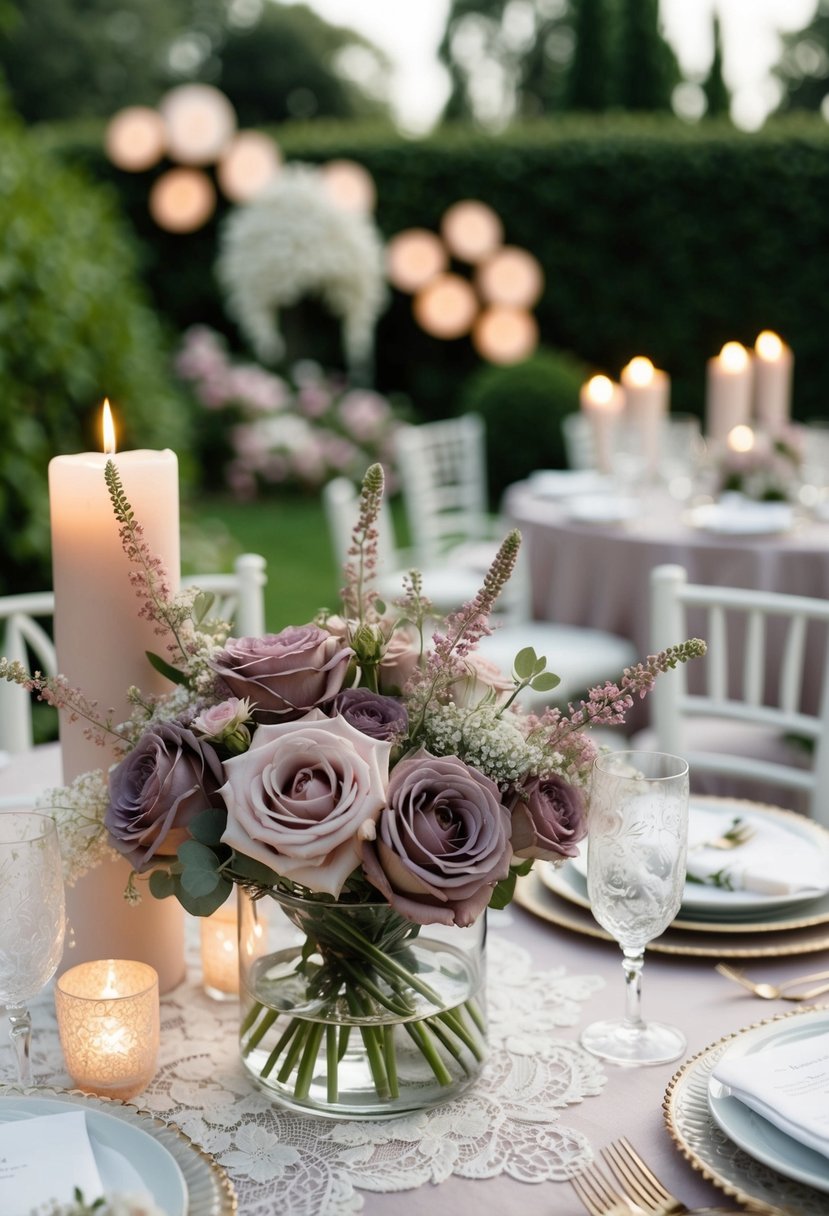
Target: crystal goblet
636	848
32	920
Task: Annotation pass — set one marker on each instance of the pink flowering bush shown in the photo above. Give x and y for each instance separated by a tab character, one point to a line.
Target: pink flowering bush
261	430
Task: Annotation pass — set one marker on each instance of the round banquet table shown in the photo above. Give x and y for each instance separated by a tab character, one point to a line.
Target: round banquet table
297	1166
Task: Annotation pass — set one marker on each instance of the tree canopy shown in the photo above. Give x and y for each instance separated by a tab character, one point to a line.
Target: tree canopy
803	69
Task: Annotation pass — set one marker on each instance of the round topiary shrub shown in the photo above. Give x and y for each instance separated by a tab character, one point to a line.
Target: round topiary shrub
74	328
522	405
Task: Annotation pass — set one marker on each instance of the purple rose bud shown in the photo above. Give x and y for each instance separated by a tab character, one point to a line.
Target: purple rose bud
442	841
286	674
375	715
168	778
548	819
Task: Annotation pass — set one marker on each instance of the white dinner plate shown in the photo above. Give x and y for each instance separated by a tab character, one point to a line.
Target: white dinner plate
601	509
749	1130
749	519
127	1157
702	901
562	483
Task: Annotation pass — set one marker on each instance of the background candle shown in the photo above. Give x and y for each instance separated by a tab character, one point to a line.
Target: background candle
602	402
101	642
220	952
728	391
773	367
647	395
109	1025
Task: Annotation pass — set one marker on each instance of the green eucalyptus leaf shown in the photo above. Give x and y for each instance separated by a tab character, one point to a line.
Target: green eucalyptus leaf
208	826
165	668
524	664
162	884
205	905
545	681
255	871
503	892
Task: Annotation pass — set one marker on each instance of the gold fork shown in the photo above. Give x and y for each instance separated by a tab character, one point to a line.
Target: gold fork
634	1191
771	992
739	833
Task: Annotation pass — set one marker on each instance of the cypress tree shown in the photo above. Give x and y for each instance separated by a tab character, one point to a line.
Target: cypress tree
588	80
714	87
648	69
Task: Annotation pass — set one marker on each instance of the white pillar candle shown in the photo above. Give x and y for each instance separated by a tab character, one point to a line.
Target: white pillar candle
101	643
773	367
728	391
602	402
647	394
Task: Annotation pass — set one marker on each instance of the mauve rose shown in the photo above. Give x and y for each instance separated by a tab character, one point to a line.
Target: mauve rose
400	659
157	789
373	714
442	843
548	819
284	674
300	796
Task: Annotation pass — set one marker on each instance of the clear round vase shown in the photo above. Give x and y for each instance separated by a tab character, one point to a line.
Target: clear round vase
352	1011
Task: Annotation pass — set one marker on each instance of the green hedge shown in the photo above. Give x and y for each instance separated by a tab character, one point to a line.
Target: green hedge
655	238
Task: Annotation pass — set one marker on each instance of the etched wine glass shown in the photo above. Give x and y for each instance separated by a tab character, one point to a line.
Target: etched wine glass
636	848
32	920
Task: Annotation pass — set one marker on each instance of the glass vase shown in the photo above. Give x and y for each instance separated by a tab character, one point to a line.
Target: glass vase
356	1012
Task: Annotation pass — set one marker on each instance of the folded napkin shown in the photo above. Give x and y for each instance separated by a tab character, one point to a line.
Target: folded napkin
788	1084
43	1159
774	861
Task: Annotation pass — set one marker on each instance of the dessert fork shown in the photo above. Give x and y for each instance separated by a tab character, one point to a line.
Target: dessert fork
634	1191
771	992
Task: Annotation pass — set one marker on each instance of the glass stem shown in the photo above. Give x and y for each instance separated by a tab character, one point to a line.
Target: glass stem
20	1033
632	964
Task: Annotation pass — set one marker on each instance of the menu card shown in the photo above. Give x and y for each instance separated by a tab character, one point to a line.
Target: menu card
43	1159
786	1083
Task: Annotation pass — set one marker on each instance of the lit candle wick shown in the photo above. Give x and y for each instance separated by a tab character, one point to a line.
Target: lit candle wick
600	390
768	346
733	357
640	371
108	429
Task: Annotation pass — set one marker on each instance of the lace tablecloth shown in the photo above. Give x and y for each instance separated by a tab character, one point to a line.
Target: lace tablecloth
512	1122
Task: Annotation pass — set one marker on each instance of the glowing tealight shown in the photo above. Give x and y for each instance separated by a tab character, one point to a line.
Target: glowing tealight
413	258
511	277
733	357
741	439
505	335
135	138
182	200
446	307
472	230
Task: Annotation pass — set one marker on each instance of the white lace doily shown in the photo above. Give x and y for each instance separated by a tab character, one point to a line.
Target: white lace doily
509	1122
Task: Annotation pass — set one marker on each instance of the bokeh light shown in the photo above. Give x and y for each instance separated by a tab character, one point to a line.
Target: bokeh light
135	138
350	185
248	163
471	230
413	258
182	200
512	277
505	335
446	307
200	122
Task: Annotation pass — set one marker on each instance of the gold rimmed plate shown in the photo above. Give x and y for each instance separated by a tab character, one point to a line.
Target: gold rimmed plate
709	1150
532	895
209	1190
567	882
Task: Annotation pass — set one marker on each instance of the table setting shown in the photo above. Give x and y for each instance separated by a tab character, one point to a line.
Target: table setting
368	809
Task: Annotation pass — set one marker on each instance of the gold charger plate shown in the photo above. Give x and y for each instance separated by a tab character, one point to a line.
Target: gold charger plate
209	1190
695	1133
566	882
532	895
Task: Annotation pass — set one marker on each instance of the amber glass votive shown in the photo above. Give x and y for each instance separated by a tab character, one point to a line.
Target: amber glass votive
109	1021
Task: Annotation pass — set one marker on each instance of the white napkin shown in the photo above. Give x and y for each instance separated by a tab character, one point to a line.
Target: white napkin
43	1159
773	862
787	1084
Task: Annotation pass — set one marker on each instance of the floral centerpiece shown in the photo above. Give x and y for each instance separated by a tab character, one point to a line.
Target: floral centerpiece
767	470
296	430
381	784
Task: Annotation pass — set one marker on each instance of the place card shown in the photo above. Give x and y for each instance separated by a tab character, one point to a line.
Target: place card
43	1159
787	1084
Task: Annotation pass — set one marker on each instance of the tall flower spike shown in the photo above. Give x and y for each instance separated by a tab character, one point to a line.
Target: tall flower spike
357	596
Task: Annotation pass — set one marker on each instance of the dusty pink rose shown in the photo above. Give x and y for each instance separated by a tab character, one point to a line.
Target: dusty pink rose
298	799
400	659
284	674
549	820
442	843
482	676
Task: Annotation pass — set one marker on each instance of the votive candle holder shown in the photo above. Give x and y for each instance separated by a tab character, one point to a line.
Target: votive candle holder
220	953
109	1024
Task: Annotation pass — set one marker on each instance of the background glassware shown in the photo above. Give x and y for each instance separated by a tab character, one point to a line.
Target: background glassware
32	919
637	844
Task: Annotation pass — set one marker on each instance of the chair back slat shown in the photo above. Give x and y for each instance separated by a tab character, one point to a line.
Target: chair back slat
770	695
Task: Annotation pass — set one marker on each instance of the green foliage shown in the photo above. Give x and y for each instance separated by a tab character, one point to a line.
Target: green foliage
646	65
803	70
73	327
717	96
589	76
522	406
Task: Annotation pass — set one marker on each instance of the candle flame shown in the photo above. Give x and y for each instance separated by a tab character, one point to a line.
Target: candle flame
768	346
600	389
110	988
108	429
734	357
741	439
640	371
